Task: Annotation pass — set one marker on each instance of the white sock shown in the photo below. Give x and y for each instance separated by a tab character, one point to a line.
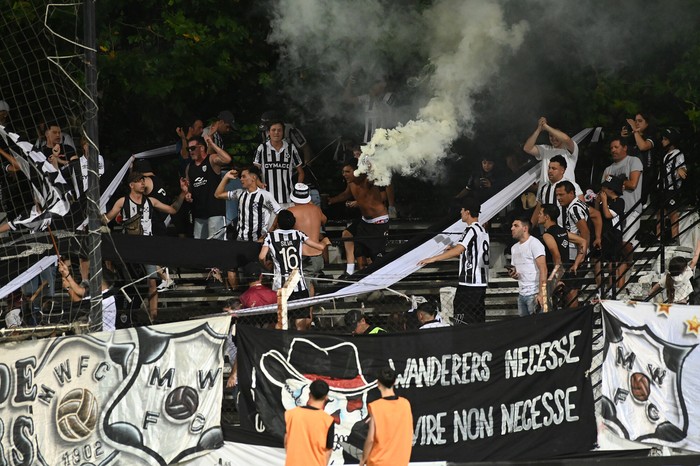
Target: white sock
350	269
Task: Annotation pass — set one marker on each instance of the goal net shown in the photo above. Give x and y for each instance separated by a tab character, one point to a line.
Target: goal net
43	177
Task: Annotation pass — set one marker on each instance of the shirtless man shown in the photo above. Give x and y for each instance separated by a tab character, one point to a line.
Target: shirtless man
309	219
371	231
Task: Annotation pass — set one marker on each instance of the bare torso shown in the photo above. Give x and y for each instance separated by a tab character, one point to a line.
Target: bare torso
309	220
369	198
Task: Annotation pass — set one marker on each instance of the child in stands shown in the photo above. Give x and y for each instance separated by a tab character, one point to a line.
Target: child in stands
677	281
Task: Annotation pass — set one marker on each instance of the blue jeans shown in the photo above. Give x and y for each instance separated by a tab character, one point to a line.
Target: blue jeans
527	305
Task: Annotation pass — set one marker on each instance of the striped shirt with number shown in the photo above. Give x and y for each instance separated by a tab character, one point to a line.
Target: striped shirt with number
277	168
254	211
285	250
474	261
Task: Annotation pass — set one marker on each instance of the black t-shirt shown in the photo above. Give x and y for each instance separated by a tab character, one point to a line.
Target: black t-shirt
203	182
612	227
561	237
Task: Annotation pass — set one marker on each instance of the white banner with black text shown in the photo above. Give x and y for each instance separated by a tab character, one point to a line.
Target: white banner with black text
139	396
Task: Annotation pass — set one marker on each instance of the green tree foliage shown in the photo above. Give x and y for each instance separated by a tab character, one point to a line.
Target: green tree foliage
163	62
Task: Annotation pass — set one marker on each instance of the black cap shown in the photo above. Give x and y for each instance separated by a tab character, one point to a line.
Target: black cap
614	183
227	117
253	270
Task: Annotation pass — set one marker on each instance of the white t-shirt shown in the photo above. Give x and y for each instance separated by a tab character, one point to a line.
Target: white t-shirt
523	257
545	154
13	318
682	287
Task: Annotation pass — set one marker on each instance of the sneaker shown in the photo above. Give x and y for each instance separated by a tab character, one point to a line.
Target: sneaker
166	285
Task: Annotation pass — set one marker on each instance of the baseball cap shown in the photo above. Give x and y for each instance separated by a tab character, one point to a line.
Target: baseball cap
135	176
4	106
614	183
252	270
227	117
300	194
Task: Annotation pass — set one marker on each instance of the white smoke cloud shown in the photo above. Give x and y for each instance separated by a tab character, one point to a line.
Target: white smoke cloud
466	40
467	44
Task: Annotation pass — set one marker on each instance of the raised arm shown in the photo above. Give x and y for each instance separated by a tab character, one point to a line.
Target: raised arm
75	291
561	135
642	144
530	146
220	157
221	192
183	141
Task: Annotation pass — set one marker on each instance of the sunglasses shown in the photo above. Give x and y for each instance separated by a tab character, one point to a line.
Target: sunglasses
192	148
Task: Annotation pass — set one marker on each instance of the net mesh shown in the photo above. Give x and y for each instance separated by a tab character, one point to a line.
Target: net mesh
42	199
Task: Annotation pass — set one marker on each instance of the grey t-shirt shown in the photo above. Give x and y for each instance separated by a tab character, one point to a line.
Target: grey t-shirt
623	168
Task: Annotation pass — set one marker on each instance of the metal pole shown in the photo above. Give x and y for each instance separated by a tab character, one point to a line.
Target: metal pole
94	239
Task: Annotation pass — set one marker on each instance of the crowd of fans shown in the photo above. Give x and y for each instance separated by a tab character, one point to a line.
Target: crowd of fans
559	229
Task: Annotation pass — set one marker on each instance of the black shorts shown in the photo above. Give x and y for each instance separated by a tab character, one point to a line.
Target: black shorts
301	313
469	305
370	240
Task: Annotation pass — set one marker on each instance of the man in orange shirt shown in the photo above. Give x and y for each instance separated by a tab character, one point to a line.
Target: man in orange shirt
309	437
390	437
